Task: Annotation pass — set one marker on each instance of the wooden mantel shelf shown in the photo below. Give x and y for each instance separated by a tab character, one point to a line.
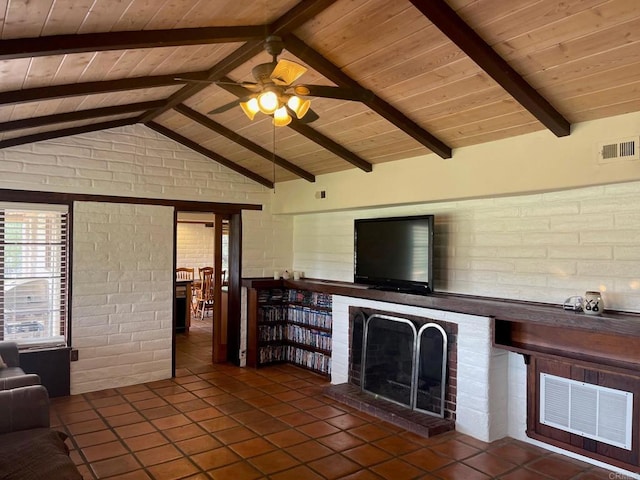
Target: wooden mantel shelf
500	309
525	327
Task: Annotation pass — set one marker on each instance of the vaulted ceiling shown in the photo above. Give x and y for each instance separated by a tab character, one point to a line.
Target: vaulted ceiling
428	76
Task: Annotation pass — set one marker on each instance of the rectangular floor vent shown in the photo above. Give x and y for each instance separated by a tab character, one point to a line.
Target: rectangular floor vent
592	411
619	150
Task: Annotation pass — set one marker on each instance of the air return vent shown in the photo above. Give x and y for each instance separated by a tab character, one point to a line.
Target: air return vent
617	150
592	411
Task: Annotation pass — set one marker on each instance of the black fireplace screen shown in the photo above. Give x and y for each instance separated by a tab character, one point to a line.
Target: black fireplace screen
405	365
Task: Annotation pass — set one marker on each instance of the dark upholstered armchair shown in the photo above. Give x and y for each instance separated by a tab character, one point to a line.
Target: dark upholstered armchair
11	375
30	449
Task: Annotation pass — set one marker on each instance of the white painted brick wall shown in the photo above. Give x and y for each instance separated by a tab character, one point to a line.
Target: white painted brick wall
542	247
135	162
194	246
122	294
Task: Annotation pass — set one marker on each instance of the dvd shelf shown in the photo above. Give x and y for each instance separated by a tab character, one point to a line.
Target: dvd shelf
293	325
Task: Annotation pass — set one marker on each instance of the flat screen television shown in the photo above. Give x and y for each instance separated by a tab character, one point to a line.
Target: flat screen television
395	253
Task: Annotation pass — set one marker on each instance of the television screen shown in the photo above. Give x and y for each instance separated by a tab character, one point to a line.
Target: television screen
395	253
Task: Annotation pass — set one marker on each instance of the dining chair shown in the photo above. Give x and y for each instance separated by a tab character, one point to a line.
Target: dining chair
205	293
184	273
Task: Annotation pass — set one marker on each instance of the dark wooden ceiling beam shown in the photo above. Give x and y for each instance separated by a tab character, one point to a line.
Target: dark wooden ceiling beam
79	115
305	130
245	142
241	55
90	88
328	144
319	63
105	41
298	15
66	132
448	22
209	154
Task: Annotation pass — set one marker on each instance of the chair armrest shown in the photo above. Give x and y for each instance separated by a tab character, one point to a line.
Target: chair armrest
9	353
24	408
23	380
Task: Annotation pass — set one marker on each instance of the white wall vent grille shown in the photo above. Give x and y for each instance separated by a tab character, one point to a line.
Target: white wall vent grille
592	411
617	150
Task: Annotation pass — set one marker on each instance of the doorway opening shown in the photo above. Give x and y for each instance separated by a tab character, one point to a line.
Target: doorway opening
202	262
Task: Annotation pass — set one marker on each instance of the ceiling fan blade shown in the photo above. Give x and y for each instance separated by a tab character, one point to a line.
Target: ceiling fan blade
339	93
225	107
249	85
309	117
287	72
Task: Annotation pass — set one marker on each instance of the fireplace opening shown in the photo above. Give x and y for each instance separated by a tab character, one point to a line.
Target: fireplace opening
429	417
404	363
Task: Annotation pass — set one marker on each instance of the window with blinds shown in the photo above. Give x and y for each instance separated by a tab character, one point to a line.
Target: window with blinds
33	274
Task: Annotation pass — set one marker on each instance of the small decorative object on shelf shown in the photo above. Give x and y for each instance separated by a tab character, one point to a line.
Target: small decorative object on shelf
276	275
285	275
593	303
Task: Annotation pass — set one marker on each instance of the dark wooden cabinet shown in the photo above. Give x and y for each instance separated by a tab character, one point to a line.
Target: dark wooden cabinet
588	357
590	375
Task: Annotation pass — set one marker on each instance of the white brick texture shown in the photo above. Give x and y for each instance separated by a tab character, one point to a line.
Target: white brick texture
194	246
123	335
123	259
543	247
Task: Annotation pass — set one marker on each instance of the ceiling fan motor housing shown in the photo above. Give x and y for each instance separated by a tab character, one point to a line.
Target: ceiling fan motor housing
262	72
273	45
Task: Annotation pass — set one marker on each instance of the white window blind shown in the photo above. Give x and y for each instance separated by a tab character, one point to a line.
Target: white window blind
33	268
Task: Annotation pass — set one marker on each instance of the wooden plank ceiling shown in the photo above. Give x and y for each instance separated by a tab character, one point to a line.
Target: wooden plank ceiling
429	75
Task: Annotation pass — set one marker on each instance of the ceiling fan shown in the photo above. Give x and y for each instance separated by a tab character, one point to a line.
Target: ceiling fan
273	92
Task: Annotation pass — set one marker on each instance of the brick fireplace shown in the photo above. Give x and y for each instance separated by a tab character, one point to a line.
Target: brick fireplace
430	357
476	391
402	369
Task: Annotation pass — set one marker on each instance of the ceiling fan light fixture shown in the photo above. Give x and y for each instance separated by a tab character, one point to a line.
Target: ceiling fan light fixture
281	117
299	106
268	102
250	107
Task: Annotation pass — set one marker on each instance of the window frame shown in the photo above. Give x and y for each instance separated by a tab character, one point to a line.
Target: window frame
60	275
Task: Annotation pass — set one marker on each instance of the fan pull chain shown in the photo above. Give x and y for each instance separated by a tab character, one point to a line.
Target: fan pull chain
273	159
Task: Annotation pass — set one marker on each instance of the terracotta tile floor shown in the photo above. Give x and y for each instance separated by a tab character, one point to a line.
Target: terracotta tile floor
224	422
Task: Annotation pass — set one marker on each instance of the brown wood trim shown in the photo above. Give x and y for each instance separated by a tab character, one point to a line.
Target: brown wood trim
66	132
234	289
384	109
298	15
209	153
174	304
603	347
621	323
104	41
232	61
449	23
27	196
88	88
252	328
245	142
332	146
78	115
